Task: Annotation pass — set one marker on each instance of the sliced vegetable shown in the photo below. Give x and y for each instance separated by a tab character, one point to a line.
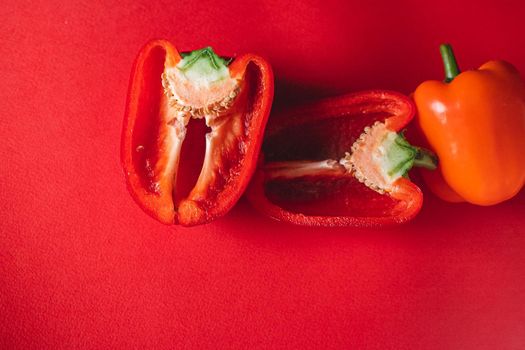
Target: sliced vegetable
341	162
179	169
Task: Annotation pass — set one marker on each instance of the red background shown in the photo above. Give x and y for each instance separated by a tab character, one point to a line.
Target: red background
81	266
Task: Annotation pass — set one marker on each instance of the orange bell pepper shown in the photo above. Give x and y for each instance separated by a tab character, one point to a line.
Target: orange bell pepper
475	123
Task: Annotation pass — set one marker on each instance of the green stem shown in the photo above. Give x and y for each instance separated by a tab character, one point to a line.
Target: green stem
402	156
425	159
449	62
204	65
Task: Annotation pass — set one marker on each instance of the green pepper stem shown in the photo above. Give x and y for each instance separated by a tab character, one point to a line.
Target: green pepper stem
402	156
425	159
203	66
449	62
191	58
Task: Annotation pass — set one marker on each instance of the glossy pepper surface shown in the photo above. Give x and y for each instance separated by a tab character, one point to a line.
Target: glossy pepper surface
192	131
475	123
340	162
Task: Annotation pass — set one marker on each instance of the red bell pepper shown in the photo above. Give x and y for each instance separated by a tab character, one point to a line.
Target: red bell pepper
340	162
192	130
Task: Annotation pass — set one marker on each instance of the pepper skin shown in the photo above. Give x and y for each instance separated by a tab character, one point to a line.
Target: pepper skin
340	162
192	131
476	126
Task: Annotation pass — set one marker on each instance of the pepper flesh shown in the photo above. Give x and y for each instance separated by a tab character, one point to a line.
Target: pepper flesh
160	147
476	126
308	175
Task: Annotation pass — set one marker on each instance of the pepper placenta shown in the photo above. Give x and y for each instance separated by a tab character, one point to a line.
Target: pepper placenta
192	131
340	162
475	122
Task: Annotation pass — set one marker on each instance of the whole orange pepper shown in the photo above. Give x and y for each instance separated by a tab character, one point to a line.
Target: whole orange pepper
475	122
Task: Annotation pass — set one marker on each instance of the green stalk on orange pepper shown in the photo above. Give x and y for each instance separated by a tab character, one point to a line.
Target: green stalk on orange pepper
475	122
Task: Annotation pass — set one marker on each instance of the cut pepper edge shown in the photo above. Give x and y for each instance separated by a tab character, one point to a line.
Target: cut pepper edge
162	208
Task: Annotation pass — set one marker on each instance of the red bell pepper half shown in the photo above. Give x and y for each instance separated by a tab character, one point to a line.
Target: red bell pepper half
340	162
192	130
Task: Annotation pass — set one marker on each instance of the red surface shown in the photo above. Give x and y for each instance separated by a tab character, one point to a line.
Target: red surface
81	266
